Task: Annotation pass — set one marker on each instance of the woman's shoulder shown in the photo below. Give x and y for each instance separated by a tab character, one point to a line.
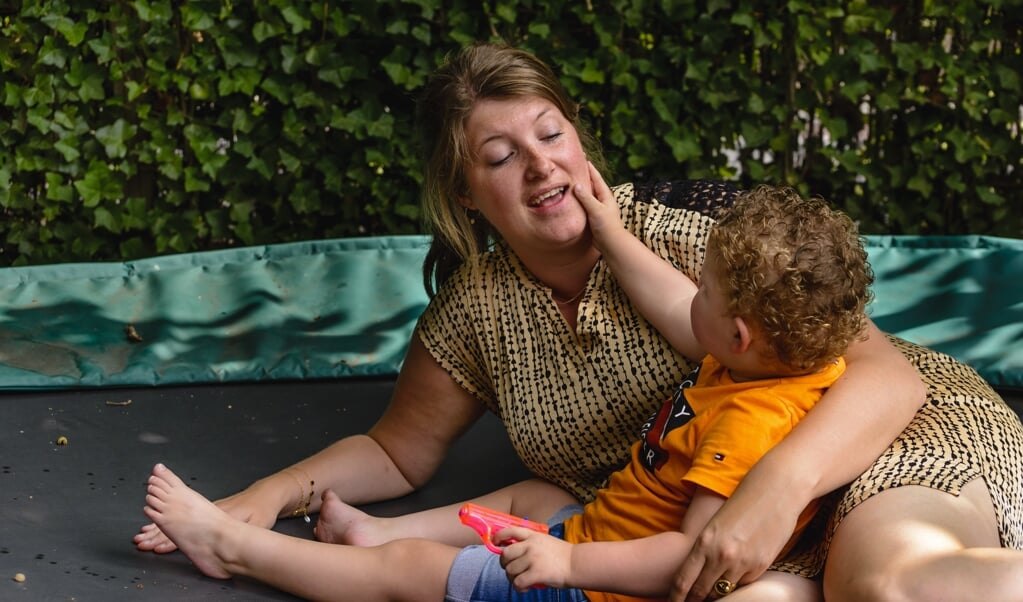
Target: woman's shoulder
461	295
495	266
704	196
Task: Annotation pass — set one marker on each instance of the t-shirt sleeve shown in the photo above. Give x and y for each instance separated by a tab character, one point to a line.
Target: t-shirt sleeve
737	439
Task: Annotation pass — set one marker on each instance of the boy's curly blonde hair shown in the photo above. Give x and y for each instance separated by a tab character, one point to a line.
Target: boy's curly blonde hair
796	269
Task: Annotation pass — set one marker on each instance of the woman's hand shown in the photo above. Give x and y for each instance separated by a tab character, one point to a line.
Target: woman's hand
252	505
739	543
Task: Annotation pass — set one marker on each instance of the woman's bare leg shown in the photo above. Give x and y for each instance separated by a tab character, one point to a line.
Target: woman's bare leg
221	546
916	543
775	586
342	523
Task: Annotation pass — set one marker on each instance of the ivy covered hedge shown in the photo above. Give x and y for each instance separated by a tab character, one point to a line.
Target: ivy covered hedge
134	128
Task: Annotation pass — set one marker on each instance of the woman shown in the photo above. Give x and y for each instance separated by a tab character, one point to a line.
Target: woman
537	330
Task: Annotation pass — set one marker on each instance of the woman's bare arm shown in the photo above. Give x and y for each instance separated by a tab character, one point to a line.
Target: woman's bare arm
855	421
427	413
847	430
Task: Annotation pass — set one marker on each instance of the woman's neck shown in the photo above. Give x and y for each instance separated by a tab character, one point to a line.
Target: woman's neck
565	274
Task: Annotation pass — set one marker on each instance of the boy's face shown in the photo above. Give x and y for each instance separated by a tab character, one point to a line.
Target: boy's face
713	326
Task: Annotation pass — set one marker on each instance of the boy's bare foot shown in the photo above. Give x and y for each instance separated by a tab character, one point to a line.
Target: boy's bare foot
345	524
188	519
151	539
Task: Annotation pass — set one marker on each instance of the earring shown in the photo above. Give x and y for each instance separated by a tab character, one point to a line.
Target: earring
469	213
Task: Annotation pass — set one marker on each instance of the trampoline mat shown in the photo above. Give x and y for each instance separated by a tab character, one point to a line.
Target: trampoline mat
68	512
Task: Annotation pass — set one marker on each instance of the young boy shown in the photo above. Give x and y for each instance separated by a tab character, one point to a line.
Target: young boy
782	294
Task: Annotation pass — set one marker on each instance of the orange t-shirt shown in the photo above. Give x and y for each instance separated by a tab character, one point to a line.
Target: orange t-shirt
709	434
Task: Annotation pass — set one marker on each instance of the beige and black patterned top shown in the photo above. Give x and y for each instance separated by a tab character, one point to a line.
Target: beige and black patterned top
572	401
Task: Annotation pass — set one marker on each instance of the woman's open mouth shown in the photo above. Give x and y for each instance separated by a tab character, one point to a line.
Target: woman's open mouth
550	194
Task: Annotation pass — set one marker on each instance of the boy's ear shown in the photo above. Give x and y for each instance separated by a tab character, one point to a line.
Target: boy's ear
742	337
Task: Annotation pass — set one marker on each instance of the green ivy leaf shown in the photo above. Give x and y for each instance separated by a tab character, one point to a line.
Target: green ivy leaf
920	183
299	23
57	190
743	19
195	17
115	138
292	163
156	12
592	72
988	195
685	147
99	183
195	181
263	31
88	79
51	55
103	218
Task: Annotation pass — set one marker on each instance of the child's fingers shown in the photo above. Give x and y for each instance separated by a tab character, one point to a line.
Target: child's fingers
587	200
600	188
513	533
517	566
597	194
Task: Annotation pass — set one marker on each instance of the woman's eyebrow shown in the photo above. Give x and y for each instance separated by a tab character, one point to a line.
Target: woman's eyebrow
496	136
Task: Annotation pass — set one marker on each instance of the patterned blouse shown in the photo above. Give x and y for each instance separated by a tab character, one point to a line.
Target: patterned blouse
573	401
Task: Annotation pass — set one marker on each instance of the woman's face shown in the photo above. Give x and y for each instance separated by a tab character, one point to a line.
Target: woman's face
527	158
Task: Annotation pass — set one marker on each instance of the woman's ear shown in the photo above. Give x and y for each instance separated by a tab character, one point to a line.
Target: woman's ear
742	338
467	203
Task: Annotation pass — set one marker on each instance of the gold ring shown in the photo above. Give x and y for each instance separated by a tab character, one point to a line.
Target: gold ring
723	587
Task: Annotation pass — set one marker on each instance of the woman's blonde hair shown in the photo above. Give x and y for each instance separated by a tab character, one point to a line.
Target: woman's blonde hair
797	269
476	72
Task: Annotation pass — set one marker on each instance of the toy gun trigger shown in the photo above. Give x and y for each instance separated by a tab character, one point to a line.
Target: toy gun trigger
489	542
487	535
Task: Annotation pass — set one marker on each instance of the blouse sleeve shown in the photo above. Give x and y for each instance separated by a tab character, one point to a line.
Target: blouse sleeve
446	330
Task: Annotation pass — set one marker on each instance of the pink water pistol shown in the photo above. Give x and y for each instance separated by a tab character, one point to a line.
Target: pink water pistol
487	522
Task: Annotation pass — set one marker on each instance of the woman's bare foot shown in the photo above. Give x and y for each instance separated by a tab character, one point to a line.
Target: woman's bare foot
189	520
345	524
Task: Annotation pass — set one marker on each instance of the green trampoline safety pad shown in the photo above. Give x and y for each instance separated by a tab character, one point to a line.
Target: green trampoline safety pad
962	295
317	309
347	307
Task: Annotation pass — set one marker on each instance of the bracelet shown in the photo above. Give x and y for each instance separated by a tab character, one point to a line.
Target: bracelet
303	501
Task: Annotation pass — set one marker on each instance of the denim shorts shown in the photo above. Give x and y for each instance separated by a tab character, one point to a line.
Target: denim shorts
477	575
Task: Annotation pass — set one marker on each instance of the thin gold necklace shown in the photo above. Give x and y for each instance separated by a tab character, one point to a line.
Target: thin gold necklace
575	297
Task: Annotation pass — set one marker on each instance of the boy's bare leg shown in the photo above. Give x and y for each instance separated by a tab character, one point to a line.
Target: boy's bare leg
222	546
339	522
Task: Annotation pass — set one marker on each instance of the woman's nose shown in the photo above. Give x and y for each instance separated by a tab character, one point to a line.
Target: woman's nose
539	164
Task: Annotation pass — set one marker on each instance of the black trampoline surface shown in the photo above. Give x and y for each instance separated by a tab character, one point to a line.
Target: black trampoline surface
68	512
